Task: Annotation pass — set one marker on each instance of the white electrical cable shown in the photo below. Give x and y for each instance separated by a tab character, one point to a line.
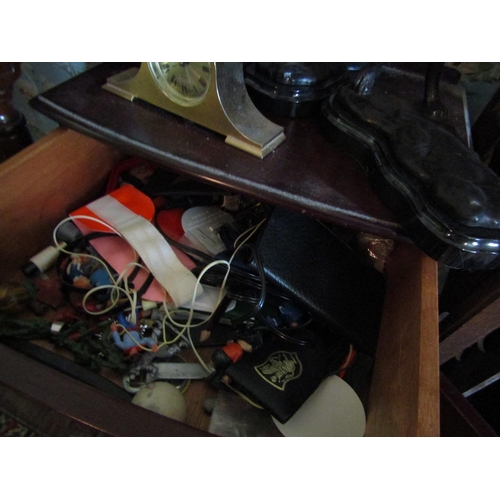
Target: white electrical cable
115	283
131	295
186	327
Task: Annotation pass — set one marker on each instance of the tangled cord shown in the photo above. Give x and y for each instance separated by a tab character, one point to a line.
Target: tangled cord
123	296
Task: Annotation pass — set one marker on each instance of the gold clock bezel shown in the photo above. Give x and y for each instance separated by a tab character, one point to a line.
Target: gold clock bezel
225	107
162	80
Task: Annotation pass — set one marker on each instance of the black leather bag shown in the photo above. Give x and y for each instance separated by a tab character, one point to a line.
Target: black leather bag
306	260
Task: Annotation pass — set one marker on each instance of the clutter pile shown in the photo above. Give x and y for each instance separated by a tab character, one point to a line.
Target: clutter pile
161	265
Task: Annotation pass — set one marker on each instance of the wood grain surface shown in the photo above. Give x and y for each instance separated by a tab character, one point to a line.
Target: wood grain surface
404	395
39	187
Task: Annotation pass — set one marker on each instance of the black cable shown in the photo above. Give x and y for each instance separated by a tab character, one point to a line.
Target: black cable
180	246
263	287
281	333
237	276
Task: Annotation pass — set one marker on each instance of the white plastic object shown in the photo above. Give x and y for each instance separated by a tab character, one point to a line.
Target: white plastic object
333	410
43	260
162	398
201	224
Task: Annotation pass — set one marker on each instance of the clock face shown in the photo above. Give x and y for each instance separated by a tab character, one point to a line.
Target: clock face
185	83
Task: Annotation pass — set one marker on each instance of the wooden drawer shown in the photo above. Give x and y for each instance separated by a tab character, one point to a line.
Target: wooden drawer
66	169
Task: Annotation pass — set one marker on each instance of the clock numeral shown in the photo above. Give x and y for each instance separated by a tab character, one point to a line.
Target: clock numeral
182	82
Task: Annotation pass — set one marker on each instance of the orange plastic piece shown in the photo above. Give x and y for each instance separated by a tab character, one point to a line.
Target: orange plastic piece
127	195
234	351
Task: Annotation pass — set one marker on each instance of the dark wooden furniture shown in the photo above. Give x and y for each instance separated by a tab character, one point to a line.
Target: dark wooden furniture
304	173
14	134
69	167
472	300
458	417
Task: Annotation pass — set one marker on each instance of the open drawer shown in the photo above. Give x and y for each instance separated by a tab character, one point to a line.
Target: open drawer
66	169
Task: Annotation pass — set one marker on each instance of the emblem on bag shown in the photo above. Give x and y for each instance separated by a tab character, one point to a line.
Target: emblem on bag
280	368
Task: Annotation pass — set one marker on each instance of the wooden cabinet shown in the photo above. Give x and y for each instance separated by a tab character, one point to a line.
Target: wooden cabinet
69	167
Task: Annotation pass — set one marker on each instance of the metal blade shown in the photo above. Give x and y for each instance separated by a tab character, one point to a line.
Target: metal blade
185	371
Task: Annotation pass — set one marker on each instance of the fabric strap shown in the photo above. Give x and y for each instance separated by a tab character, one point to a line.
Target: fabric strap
147	241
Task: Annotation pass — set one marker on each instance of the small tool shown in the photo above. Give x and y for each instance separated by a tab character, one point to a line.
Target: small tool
143	375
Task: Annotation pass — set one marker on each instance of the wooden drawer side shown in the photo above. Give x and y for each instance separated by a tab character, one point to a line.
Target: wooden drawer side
41	185
404	394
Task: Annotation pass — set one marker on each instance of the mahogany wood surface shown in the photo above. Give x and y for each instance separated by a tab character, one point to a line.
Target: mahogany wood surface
305	173
458	417
404	395
477	323
69	397
472	304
